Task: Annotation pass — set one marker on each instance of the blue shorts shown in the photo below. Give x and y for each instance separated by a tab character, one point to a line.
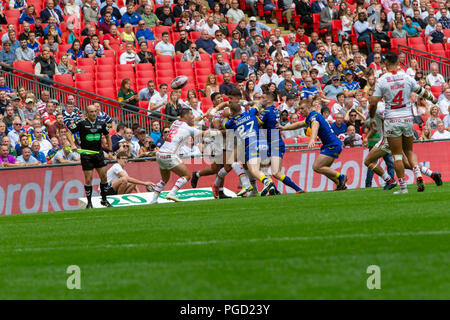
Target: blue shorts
276	149
251	151
331	150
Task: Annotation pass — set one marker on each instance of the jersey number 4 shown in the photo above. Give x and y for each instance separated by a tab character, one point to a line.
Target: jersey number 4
398	100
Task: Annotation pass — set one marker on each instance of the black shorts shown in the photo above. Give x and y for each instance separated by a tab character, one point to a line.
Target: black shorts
93	161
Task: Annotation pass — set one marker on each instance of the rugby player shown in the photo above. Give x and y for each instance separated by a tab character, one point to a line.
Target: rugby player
382	148
91	130
167	158
395	88
331	145
245	126
270	116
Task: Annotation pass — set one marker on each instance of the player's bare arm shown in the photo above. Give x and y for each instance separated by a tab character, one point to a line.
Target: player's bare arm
314	131
292	126
373	102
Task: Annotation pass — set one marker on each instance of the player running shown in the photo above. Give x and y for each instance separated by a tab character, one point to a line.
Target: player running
245	126
382	148
331	145
167	158
395	87
91	130
270	117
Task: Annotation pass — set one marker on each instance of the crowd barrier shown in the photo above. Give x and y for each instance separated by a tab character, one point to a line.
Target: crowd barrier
57	188
425	59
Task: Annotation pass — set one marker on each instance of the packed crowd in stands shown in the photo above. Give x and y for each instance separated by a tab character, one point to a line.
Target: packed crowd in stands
332	55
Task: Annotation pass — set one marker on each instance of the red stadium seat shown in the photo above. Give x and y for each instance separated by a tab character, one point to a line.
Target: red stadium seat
110	61
395	42
65	79
85	62
84	77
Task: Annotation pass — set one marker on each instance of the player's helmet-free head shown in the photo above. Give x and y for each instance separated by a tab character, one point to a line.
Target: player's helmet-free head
391	58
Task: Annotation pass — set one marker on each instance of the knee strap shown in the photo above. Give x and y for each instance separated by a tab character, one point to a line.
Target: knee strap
398	157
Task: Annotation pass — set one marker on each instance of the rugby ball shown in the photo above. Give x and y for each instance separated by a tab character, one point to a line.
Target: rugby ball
179	82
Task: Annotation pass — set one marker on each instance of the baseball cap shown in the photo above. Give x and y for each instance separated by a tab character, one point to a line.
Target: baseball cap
291	96
141	130
29	100
335	78
54	101
337	62
15	98
348	72
262	45
252	19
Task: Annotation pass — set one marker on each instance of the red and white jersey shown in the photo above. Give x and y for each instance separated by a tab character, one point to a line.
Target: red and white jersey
395	88
179	131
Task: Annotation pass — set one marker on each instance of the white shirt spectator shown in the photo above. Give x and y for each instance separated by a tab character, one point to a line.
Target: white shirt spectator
443	105
167	49
283	53
265	79
157	100
14	137
129	58
211	30
336	108
447	121
224	44
45	146
235	15
284	106
113	173
190	152
437	80
319	67
438	135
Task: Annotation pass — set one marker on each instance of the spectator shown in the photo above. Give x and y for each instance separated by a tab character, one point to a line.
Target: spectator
350	86
269	76
49	116
181	7
351	119
23	53
338	126
221	66
287	8
46	67
166	17
53	151
234	14
64	156
158	100
210	27
144	33
26	159
205	44
147	93
191	54
441	133
28	15
94	49
45	145
130	16
145	56
6	160
287	78
303	59
435	78
173	107
437	36
258	26
308	91
105	26
65	67
446	119
444	19
113	39
17	108
32	43
58	128
362	30
23	142
242	48
151	20
156	130
412	29
127	95
50	11
71	113
431	27
164	47
183	44
298	133
226	86
381	37
7	56
351	138
334	89
289	103
75	51
444	103
120	132
133	144
190	149
14	134
128	35
129	56
433	119
3	130
327	15
222	44
147	147
399	32
91	12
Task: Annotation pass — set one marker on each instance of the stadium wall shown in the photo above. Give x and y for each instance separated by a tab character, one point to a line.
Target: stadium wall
58	188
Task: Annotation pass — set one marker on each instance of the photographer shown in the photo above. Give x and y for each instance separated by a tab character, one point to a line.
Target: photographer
147	149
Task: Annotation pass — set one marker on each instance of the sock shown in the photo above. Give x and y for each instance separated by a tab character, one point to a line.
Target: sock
402	183
103	188
240	172
338	174
426	171
197	174
417	172
266	181
178	185
386	177
157	190
88	191
220	177
287	181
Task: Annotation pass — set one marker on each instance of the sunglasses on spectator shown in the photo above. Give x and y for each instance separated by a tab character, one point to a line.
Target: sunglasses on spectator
142	24
17	124
193	47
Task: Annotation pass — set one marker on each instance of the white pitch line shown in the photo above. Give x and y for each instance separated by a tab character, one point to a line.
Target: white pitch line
230	241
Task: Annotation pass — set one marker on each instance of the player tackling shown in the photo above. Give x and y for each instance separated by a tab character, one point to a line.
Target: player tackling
395	88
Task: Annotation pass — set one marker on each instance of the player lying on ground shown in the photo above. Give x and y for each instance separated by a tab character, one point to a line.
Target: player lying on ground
270	117
245	126
331	145
395	88
91	130
167	158
382	148
120	182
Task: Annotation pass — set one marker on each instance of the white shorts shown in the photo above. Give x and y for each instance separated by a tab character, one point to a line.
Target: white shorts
383	145
397	127
167	161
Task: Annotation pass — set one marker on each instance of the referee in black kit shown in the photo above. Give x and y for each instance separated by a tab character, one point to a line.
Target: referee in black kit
91	131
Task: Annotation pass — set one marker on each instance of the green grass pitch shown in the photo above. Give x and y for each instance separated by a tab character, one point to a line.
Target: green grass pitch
309	246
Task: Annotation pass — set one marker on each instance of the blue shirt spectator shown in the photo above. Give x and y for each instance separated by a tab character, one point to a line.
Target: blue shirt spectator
34	46
258	26
292	48
208	45
9	56
114	20
306	92
25	17
133	19
146	33
339	129
57	29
